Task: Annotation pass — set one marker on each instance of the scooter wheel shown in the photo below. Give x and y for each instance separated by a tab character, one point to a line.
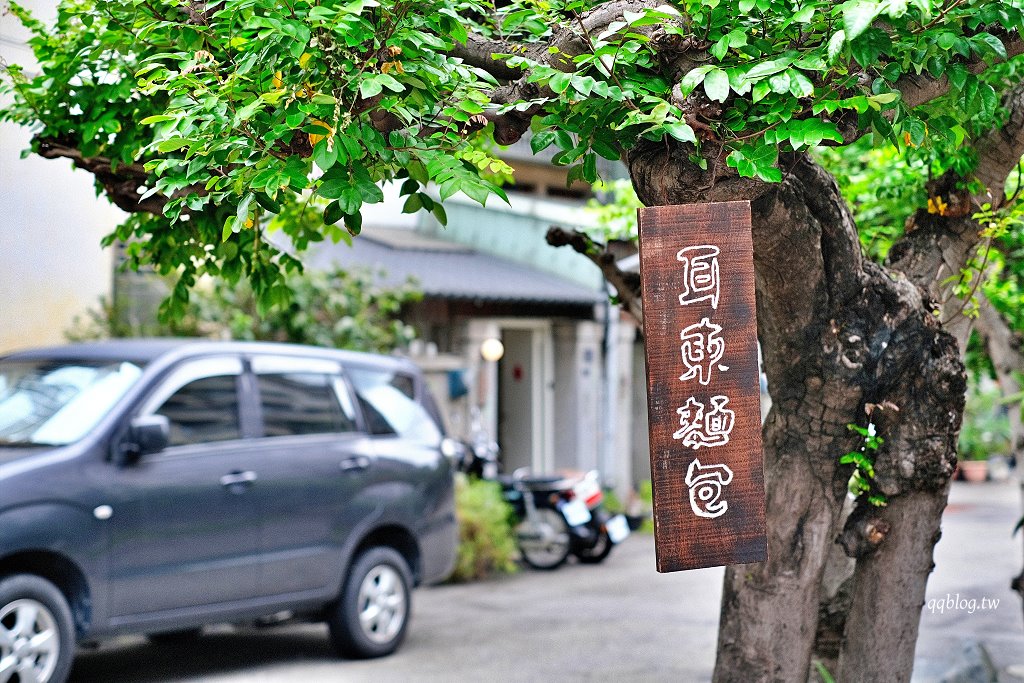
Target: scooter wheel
544	542
598	551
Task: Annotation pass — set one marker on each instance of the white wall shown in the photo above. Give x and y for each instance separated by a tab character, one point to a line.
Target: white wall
51	222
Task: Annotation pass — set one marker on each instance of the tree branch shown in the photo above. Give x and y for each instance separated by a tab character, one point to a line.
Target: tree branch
917	90
121	182
626	284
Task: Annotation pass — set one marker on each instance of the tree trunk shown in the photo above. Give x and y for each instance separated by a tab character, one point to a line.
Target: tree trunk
837	334
889	592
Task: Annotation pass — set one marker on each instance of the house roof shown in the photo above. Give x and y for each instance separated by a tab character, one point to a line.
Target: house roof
448	270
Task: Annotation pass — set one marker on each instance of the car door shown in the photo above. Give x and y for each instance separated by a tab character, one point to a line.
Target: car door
185	525
315	469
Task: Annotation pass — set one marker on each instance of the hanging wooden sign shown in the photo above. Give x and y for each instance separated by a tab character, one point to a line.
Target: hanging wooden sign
703	385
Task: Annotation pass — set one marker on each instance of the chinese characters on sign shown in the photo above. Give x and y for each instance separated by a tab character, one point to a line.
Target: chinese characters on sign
696	267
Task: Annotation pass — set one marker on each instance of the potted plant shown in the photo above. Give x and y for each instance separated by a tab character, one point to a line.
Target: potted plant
985	431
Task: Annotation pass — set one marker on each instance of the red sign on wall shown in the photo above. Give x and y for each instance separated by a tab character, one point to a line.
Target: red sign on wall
703	385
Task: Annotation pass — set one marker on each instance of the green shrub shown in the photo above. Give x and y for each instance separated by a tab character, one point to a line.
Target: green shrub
486	538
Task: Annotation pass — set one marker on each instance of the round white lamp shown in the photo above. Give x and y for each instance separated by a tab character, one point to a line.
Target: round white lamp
492	350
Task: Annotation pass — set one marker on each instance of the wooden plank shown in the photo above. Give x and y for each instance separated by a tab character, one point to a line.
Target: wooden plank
703	385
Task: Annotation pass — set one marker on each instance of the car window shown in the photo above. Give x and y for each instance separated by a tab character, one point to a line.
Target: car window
203	411
53	402
386	399
297	403
200	400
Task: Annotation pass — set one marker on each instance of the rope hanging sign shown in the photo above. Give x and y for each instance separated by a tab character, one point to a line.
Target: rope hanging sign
703	385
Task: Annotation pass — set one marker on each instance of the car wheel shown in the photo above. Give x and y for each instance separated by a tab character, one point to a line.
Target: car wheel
370	617
37	636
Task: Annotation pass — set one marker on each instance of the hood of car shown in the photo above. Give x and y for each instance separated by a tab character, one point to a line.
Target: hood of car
10	454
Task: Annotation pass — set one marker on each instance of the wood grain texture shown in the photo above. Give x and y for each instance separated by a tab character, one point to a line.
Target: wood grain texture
703	386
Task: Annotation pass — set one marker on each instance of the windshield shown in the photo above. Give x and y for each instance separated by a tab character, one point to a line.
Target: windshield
54	403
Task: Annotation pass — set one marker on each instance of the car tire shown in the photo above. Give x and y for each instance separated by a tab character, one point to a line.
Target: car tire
36	628
372	614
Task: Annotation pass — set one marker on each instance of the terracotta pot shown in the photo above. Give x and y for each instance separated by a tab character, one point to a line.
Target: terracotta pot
974	470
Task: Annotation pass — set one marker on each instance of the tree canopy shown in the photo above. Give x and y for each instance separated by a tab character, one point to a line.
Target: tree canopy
214	117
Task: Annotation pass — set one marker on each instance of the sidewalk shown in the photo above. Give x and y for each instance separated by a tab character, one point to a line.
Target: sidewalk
969	596
619	621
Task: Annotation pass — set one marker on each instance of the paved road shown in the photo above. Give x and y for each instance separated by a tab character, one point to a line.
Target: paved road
620	621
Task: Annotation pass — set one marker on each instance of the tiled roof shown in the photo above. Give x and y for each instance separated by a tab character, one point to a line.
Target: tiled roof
448	270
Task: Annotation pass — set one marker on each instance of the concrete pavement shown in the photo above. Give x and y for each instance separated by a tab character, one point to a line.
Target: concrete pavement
619	621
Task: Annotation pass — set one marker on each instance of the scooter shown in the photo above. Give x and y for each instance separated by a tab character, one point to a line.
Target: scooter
562	515
557	515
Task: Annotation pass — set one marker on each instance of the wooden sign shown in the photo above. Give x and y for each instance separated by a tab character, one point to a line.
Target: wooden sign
703	388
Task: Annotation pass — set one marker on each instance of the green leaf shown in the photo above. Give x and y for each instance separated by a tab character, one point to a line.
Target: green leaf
354	223
835	46
772	66
800	85
560	82
993	44
440	214
605	150
989	98
761	89
871	45
325	153
681	132
332	188
267	202
857	17
716	85
173	144
693	78
720	48
804	15
246	112
321	98
780	83
884	98
370	87
946	40
413	204
332	213
542	140
590	168
157	119
242	213
957	74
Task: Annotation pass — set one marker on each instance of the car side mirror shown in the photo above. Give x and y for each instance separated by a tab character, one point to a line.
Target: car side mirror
147	434
457	452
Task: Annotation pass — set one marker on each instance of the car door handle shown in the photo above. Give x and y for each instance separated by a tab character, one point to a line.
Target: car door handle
359	462
238	479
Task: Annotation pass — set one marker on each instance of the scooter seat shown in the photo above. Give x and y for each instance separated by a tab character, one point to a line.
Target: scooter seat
543	483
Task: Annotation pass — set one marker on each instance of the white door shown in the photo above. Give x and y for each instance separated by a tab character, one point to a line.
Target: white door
516	373
525	422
